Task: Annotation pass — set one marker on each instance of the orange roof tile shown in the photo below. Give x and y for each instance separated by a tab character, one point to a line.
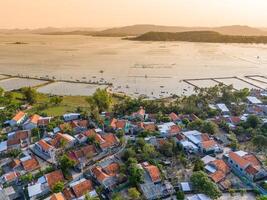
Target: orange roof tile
173	116
34	119
54	177
59	138
112	169
238	160
82	188
11	176
251	170
175	129
252	159
153	172
19	116
44	121
221	165
57	196
31	164
217	176
99	174
208	144
45	146
109	140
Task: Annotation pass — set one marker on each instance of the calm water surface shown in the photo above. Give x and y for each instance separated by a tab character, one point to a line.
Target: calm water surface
151	68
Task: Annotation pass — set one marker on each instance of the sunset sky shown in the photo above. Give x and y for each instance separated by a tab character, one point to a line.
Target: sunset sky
110	13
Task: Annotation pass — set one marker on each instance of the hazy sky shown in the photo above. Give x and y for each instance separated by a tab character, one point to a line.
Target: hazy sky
109	13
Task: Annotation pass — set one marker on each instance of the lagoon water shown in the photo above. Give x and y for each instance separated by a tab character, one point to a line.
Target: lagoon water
154	69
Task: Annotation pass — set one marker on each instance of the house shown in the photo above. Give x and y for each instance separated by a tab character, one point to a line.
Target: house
82	156
56	196
152	171
19	139
71	116
186	187
198	197
29	163
79	126
106	173
110	141
223	108
18	119
173	117
82	187
10	177
119	124
253	100
3	147
247	165
202	141
36	190
53	178
168	129
43	122
217	170
63	140
153	187
140	114
43	147
32	122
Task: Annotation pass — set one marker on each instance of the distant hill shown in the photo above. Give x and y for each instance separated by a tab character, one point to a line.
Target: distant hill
141	29
199	36
53	31
136	30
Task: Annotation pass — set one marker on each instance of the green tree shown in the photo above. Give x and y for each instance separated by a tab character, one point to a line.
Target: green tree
262	197
134	193
26	178
136	174
2	92
116	196
253	121
30	94
101	99
65	164
56	100
180	195
198	165
203	184
58	187
209	127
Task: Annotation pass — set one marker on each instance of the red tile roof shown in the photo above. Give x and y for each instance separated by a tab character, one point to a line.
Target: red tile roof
19	116
154	172
34	119
31	164
53	178
112	169
173	116
238	160
221	165
252	159
11	176
99	174
60	138
82	188
109	140
235	119
208	144
175	129
57	196
251	170
217	176
45	146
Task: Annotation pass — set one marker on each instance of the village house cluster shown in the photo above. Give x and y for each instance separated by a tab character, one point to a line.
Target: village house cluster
33	153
